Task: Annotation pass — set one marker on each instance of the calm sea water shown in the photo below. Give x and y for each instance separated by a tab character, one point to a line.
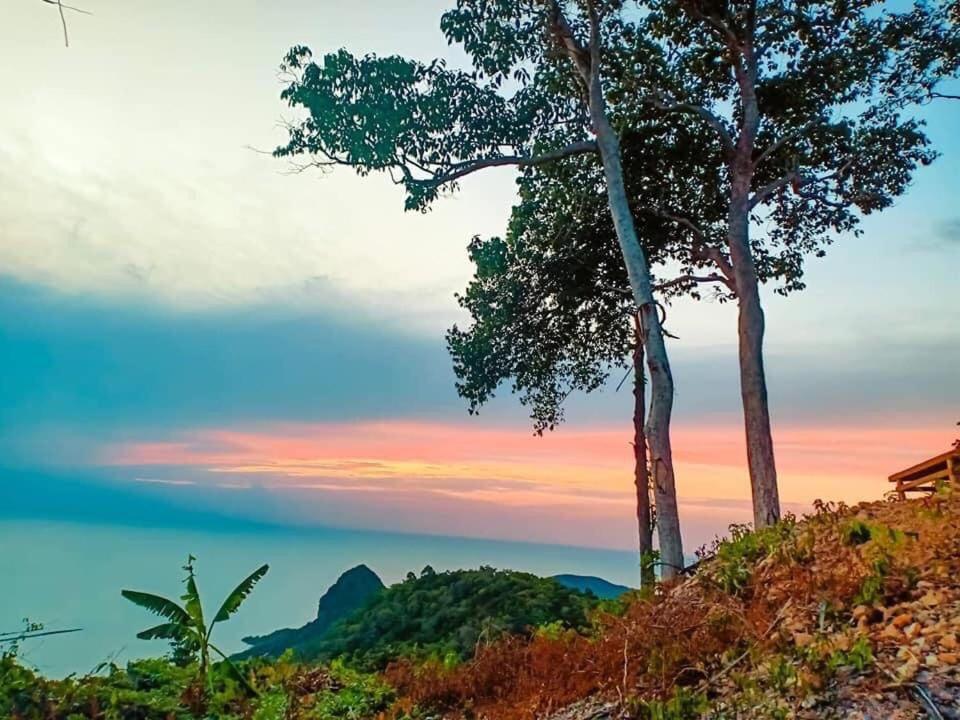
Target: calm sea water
70	575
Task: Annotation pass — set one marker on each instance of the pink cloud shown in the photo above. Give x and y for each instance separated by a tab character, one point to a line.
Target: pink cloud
448	477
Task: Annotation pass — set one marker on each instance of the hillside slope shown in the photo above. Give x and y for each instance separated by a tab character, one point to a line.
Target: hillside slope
853	612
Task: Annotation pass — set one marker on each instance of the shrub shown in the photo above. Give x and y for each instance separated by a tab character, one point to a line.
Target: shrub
734	559
360	695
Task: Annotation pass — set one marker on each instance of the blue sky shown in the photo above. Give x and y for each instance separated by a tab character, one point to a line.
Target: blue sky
159	278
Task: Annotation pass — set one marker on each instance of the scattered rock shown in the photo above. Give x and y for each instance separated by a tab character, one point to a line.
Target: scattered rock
902	620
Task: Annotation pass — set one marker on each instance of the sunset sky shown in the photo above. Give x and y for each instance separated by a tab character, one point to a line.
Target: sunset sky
185	326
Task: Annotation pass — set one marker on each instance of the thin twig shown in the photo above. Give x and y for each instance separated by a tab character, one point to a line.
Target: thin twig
63	19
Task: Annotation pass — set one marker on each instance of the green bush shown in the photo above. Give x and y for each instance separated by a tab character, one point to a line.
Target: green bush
361	695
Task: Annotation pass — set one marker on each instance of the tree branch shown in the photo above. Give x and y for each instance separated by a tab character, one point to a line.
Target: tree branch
715	254
563	33
784	139
463	169
669	105
690	278
63	19
725	31
679	219
822	198
768	190
702	250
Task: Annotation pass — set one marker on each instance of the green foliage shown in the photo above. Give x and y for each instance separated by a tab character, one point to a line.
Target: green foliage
859	656
145	690
685	704
360	695
447	613
20	690
390	114
272	706
782	673
879	550
735	558
856	532
188	632
156	689
549	310
552	630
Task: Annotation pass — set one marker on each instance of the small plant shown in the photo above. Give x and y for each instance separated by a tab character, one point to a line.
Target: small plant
186	629
684	705
734	559
272	706
782	674
649	561
856	532
879	551
859	656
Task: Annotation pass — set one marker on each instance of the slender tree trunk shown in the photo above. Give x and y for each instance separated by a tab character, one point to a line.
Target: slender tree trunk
753	382
750	322
587	62
661	379
641	473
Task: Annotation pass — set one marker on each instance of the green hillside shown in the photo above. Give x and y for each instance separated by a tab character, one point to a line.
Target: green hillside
446	614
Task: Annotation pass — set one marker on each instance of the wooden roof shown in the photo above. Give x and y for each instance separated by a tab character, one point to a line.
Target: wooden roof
926	467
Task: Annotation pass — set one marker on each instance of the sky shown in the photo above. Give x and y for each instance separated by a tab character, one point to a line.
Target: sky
187	326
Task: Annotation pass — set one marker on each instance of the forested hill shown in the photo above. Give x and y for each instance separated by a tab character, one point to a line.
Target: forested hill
350	592
434	614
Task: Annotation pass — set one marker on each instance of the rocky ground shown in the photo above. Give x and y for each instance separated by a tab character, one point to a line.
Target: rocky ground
865	606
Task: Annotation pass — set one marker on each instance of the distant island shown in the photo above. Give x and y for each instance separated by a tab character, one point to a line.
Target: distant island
603	589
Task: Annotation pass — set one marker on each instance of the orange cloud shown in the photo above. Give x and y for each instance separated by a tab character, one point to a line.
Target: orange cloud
509	466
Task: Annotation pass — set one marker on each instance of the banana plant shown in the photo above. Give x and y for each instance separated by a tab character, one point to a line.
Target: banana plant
186	627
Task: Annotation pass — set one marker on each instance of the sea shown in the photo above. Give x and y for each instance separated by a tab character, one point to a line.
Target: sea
69	575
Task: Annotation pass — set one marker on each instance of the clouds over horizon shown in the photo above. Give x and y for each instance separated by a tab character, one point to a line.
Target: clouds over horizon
454	478
165	289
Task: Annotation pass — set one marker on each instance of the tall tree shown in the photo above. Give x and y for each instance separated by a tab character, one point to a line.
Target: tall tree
430	126
793	96
549	310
